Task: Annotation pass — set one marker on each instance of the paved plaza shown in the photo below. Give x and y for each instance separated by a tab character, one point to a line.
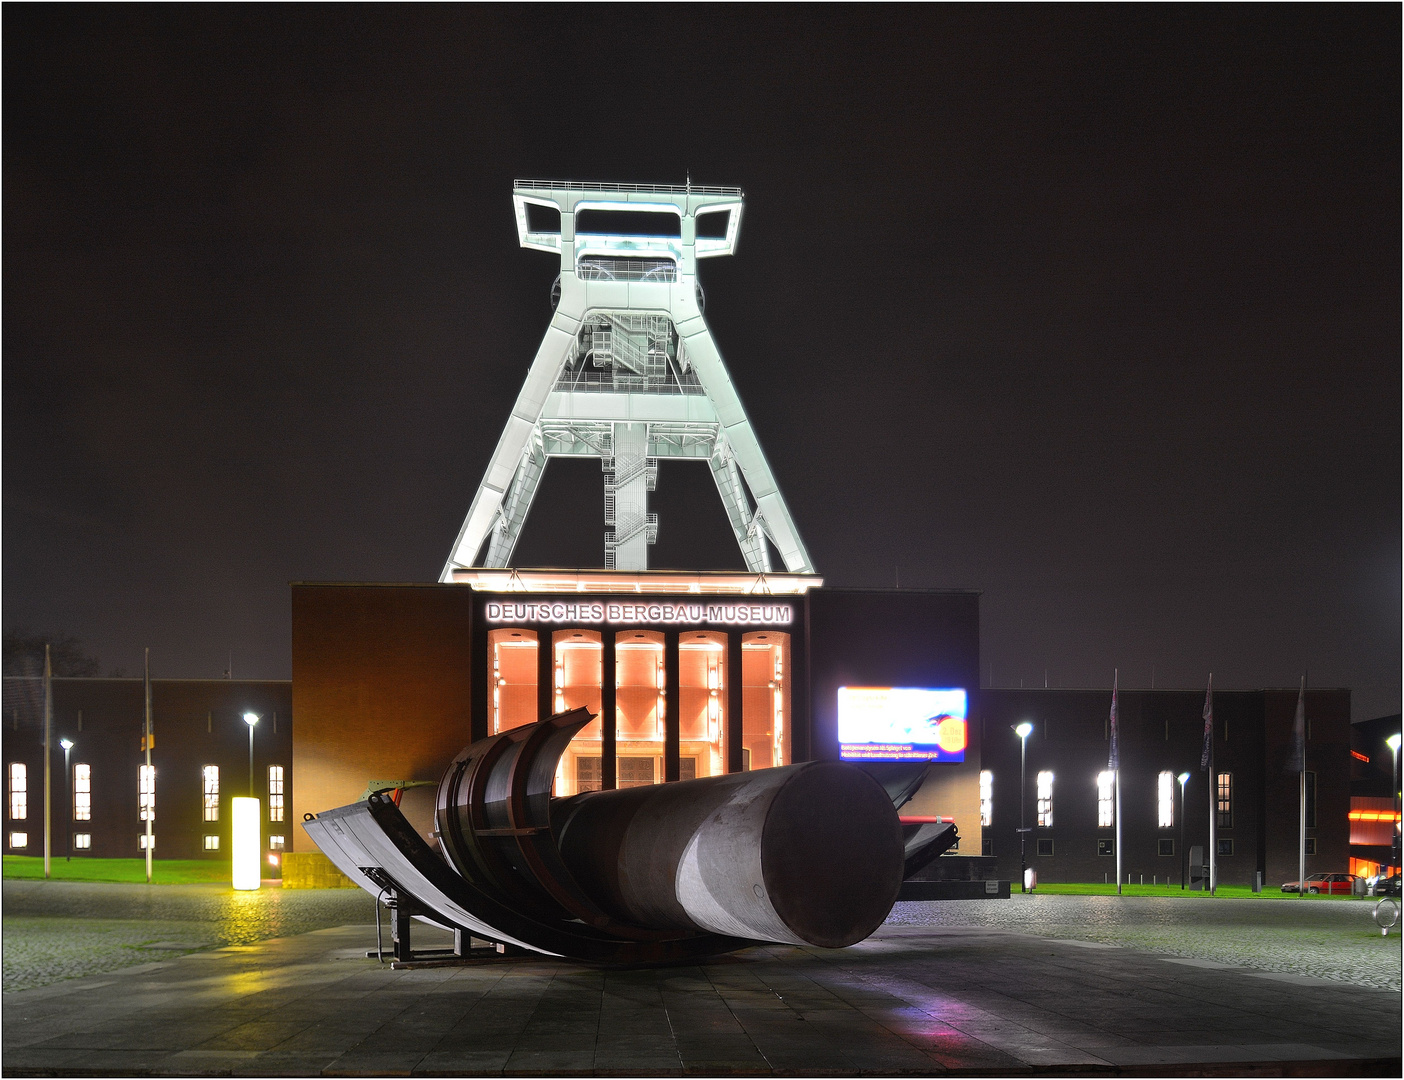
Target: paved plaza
1032	985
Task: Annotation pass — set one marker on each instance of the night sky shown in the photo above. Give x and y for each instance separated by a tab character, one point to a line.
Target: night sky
1096	310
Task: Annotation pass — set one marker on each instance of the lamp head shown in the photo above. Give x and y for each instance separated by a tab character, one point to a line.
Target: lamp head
1024	730
250	718
67	744
1393	742
1183	778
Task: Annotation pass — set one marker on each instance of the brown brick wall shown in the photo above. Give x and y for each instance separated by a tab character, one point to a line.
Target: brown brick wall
380	688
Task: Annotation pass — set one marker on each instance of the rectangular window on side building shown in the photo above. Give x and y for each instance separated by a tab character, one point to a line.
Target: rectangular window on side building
1106	805
1165	800
1311	800
19	840
1106	847
146	794
1044	846
1044	790
1225	848
142	838
19	793
82	841
986	798
1165	846
82	792
275	793
211	842
209	777
1225	800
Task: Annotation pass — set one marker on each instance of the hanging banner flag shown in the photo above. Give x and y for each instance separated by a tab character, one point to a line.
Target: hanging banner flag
1208	724
1114	759
1297	762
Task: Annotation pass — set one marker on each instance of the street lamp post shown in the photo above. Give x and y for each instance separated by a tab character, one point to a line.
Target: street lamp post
1023	731
251	719
1393	743
67	745
1183	778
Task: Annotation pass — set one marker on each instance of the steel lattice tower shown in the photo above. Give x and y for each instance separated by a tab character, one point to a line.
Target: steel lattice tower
629	373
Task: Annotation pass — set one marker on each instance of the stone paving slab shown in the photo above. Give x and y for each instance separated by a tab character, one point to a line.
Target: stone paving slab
907	1002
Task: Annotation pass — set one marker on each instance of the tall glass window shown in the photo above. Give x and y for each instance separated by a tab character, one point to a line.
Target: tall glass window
514	674
1165	800
1043	789
640	683
577	667
19	791
82	792
210	778
146	795
765	693
275	793
986	798
1106	795
1225	800
702	703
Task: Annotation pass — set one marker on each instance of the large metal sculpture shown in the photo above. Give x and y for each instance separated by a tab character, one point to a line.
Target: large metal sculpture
813	854
628	373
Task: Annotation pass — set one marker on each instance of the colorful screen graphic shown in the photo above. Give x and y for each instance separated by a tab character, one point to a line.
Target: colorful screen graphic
890	723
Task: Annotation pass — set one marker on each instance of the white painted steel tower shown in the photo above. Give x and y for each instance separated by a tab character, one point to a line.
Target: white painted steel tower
628	373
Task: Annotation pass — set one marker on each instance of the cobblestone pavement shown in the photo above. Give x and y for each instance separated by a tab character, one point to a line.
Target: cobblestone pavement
911	1001
1324	939
64	929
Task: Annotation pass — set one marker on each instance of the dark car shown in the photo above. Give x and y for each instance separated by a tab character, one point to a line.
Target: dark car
1330	884
1384	886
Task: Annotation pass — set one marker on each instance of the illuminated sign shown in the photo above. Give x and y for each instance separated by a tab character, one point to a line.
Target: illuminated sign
634	614
887	723
248	843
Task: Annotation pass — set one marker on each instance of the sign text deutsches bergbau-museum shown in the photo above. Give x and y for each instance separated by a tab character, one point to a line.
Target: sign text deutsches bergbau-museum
592	611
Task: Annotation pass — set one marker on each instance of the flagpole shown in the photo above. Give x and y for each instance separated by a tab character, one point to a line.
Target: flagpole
1213	882
1206	761
1299	734
1116	783
48	731
1115	764
150	776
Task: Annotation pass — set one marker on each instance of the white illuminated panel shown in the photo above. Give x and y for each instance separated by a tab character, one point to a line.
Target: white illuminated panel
986	798
1165	800
1106	782
247	843
1043	787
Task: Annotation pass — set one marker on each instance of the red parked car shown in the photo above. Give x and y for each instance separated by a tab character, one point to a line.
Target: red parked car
1330	884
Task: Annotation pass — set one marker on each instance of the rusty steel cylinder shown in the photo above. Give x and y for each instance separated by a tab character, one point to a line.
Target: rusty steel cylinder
807	854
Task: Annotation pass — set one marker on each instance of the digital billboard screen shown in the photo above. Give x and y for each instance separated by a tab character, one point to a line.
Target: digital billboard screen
898	723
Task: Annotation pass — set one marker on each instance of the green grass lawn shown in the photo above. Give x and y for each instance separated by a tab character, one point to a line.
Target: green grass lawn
83	868
1231	891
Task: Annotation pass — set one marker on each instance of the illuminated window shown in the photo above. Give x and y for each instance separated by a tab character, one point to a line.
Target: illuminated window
986	798
1165	800
19	794
146	794
275	793
1106	807
275	843
1225	800
1044	790
82	792
19	839
82	841
210	774
211	842
635	771
588	776
142	838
